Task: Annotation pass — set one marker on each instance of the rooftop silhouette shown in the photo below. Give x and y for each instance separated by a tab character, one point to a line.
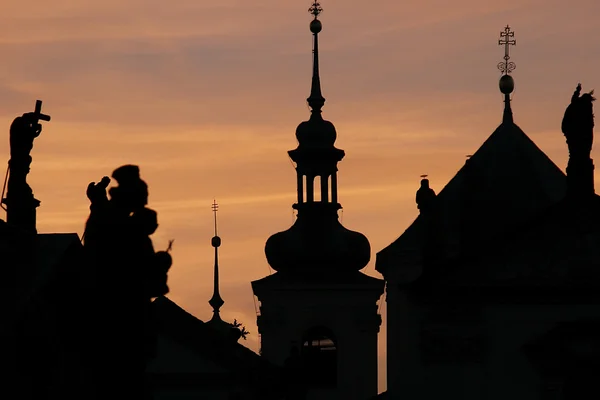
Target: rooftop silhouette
492	291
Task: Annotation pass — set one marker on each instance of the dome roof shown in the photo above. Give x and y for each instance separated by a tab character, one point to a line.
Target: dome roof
316	133
317	241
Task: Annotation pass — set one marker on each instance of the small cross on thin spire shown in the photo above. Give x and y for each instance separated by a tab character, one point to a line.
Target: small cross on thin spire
506	67
215	208
315	9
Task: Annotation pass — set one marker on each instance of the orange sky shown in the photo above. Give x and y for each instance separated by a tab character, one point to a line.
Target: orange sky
205	96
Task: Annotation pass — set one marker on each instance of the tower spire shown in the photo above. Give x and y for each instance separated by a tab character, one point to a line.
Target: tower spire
216	301
317	241
507	83
315	100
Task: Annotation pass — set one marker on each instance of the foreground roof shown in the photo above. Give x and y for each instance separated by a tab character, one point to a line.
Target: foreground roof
507	181
223	352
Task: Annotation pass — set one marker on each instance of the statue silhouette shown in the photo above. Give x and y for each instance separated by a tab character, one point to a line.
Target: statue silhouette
578	124
21	205
128	273
578	128
425	196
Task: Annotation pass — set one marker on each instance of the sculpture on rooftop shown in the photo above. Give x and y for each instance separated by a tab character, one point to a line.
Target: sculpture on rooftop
127	273
425	196
20	202
578	124
120	229
578	128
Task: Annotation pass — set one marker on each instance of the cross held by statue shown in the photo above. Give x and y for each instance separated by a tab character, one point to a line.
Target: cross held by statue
37	113
34	117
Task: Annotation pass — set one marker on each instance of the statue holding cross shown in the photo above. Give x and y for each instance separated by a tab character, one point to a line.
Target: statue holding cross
24	130
19	201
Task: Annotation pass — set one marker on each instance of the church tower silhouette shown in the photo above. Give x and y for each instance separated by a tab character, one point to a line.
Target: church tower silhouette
318	304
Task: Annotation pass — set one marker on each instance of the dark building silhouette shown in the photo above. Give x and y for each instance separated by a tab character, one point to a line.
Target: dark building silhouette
318	300
78	321
40	276
196	359
504	303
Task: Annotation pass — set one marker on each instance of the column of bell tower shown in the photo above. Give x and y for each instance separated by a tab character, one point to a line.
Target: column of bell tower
318	310
328	187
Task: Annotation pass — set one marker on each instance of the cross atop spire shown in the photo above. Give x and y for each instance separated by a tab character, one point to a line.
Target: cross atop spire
215	208
506	67
315	9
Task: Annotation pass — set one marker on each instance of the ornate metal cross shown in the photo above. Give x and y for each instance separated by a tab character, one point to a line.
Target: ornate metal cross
506	67
315	9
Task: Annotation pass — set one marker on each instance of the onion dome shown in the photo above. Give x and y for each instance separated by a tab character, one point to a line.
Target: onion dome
318	242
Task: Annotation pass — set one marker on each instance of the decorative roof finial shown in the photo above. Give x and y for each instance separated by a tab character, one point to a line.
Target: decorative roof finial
315	9
216	301
315	100
506	67
507	83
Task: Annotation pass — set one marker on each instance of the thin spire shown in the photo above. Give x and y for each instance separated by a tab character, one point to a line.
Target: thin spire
507	83
315	100
216	301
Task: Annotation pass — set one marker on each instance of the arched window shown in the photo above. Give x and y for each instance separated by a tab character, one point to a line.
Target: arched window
319	354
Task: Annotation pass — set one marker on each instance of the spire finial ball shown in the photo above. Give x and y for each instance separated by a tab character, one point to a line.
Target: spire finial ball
506	84
315	26
216	241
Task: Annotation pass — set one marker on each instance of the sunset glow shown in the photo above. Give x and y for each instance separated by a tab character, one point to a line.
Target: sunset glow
205	97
